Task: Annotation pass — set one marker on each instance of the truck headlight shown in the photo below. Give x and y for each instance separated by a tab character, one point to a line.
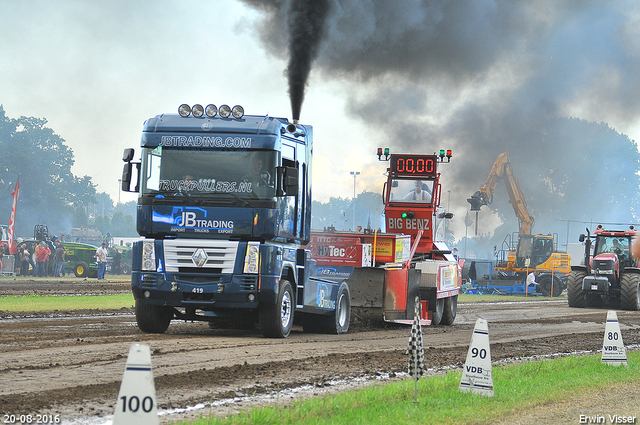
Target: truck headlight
148	256
252	258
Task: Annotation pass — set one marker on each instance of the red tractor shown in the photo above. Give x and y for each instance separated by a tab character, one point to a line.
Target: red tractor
609	273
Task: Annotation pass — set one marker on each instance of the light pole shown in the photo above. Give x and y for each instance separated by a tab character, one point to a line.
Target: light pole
120	187
354	174
446	222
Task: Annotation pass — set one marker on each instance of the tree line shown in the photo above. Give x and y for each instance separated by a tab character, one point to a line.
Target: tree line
49	192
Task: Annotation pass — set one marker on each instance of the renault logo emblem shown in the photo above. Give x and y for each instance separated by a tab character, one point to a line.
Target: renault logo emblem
199	257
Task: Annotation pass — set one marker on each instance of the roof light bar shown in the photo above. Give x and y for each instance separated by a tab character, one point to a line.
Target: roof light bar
211	110
237	112
184	110
197	110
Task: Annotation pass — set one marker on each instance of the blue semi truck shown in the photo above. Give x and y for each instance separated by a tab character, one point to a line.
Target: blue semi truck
224	207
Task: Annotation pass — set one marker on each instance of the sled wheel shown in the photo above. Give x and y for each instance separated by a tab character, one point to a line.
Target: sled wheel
438	312
450	310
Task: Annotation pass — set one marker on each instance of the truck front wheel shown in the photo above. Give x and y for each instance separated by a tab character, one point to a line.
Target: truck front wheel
276	320
630	292
153	319
575	294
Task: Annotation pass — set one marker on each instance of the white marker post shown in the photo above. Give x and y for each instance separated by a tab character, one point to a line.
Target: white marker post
137	398
613	351
476	375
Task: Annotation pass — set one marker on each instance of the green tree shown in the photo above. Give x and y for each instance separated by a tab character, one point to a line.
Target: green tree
80	218
49	191
123	225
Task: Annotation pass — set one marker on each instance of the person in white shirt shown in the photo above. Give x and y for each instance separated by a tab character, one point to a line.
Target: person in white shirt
531	278
101	257
418	194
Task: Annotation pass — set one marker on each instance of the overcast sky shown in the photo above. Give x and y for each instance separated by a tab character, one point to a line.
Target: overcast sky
96	70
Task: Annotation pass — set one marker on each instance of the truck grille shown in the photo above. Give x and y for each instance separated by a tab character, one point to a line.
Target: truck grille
179	253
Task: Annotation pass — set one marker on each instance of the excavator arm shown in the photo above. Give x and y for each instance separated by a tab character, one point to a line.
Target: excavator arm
502	170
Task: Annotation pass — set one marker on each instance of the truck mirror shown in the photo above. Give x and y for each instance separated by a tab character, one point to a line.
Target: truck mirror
290	181
127	156
582	237
126	177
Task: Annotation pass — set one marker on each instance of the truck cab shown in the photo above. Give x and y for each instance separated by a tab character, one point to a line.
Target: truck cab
224	205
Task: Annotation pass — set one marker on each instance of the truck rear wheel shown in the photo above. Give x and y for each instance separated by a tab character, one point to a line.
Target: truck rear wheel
630	292
154	319
575	294
276	320
450	310
335	323
437	312
342	314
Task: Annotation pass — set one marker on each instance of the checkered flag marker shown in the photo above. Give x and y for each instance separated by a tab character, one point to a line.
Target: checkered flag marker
416	349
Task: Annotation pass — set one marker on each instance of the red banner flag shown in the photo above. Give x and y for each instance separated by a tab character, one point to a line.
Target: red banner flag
12	219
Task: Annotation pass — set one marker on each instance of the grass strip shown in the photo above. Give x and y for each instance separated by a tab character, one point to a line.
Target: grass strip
36	303
517	387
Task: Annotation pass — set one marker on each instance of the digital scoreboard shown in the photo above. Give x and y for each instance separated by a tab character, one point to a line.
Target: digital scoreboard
414	165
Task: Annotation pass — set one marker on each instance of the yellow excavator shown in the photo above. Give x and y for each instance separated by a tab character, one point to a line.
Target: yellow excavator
532	252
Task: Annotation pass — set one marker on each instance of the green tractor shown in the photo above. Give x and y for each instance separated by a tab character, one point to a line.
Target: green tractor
80	259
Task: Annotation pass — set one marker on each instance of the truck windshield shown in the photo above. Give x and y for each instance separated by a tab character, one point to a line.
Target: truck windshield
404	190
210	173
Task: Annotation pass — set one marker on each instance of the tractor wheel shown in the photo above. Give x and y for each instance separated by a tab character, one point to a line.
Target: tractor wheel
438	312
81	269
153	319
450	310
276	320
630	292
575	294
545	285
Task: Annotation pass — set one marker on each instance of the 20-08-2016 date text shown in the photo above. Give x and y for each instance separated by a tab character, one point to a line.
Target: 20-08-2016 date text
30	419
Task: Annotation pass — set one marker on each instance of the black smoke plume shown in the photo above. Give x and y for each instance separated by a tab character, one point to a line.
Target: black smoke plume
306	28
547	81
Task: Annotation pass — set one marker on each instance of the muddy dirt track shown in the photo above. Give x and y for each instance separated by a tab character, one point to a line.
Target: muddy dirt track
71	363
